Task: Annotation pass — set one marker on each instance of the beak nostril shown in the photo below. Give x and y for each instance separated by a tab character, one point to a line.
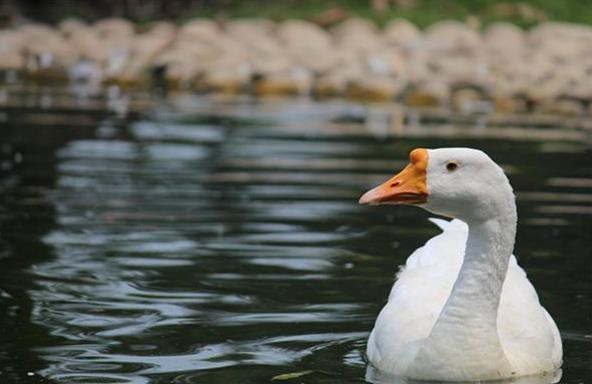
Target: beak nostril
394	184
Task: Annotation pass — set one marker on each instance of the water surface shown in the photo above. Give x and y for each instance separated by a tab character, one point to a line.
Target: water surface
217	241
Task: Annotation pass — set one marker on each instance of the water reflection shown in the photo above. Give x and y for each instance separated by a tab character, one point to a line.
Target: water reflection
377	377
27	172
216	240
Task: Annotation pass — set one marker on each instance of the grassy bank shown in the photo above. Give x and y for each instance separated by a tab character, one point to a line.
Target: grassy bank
421	12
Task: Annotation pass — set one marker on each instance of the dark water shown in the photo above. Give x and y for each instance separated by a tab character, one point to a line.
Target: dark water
220	241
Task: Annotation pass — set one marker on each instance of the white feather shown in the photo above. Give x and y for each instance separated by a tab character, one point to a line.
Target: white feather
527	333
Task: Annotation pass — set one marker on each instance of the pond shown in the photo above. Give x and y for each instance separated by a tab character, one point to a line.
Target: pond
210	240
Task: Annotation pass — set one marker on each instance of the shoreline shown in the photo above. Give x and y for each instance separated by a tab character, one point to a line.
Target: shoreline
451	64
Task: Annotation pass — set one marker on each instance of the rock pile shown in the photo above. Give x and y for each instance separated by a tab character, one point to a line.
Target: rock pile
449	64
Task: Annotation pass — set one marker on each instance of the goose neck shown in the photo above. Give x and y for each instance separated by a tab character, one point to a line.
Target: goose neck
467	325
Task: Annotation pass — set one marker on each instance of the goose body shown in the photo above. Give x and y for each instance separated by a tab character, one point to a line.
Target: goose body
461	308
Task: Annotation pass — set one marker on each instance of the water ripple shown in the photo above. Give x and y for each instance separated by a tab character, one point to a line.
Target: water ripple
221	241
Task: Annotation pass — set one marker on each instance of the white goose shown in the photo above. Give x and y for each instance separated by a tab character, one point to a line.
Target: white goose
462	309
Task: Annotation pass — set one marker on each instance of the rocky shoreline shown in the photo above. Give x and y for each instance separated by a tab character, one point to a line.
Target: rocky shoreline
451	64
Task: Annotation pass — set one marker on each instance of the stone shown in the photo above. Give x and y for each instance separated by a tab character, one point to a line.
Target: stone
162	29
374	88
179	67
114	28
318	61
225	79
509	104
199	30
452	36
463	70
357	35
71	26
506	68
401	33
562	107
432	93
385	63
300	34
295	81
354	26
330	85
505	39
10	51
470	100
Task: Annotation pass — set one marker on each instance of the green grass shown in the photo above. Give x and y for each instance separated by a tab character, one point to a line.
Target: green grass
425	12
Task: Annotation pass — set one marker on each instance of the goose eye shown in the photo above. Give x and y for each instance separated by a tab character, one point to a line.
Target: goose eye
451	166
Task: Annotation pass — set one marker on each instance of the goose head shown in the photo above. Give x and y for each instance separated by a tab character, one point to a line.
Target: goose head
456	182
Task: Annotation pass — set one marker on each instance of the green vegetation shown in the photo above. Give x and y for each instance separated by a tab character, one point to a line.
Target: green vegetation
421	12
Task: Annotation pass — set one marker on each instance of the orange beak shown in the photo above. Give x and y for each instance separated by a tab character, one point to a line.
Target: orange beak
407	187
